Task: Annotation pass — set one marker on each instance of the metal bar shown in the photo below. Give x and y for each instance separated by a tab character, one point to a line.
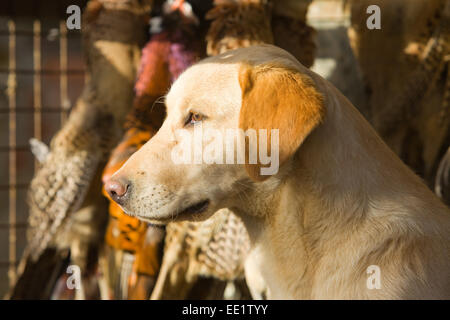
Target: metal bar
16	148
7	264
11	91
64	96
42	71
30	110
43	33
16	226
13	186
37	94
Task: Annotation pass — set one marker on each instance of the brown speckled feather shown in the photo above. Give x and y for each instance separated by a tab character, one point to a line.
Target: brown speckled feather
237	24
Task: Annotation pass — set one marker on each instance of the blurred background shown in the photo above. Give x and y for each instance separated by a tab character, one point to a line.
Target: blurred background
402	67
41	76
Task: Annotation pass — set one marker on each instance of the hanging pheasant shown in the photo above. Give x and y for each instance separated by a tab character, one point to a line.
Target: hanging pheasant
410	109
136	248
242	23
66	214
217	248
291	32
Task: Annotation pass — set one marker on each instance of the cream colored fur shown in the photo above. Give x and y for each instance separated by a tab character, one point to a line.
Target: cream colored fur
341	203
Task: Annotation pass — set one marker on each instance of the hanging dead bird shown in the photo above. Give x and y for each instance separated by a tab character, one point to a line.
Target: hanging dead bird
66	216
199	249
242	23
135	248
214	249
409	109
237	24
217	248
291	31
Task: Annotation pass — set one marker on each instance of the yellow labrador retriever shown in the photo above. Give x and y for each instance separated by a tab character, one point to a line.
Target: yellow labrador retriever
342	217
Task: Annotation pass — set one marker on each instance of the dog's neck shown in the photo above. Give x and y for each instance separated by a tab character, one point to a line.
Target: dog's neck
342	161
299	215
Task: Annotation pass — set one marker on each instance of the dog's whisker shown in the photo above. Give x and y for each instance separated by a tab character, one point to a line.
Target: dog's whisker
161	99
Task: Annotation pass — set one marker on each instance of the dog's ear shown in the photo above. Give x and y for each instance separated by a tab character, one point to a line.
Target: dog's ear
277	97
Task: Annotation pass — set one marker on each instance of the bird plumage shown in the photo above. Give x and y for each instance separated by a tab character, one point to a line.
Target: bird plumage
168	53
64	199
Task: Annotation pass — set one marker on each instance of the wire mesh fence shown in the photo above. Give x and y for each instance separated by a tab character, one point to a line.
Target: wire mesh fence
41	76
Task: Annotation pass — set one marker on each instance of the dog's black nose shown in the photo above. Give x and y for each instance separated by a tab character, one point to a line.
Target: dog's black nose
118	189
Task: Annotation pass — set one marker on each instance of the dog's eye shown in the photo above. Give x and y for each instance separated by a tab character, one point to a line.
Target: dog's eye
194	118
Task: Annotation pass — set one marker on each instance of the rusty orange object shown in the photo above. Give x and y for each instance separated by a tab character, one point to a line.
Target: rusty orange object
124	232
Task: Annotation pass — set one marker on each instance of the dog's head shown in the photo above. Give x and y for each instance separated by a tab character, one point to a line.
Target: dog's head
231	120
